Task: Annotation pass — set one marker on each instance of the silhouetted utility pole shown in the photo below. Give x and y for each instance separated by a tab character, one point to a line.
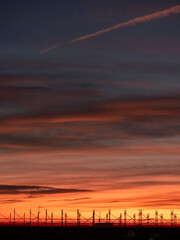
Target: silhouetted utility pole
51	219
107	220
14	216
140	217
156	218
120	220
161	219
109	216
134	218
78	218
65	219
77	221
172	216
30	218
147	219
175	219
38	218
93	218
125	216
46	216
24	219
62	214
10	218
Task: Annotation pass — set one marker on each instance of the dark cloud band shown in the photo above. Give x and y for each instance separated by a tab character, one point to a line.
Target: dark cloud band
35	190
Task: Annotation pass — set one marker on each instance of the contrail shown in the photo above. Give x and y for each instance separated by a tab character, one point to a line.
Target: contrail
50	48
149	17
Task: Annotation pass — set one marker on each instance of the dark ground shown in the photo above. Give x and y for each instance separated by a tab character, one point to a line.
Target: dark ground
54	233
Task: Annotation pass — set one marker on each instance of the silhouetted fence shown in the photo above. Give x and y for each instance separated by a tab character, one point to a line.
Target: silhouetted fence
95	220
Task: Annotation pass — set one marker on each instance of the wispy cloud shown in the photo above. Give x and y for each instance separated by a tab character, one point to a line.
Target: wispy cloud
70	199
99	125
149	17
35	190
8	201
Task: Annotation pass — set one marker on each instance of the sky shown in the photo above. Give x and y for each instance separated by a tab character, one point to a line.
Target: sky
89	118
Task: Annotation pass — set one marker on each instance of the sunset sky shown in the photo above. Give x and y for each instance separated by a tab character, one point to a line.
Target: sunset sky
89	119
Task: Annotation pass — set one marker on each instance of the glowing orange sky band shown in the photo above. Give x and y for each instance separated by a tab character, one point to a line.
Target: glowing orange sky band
149	17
